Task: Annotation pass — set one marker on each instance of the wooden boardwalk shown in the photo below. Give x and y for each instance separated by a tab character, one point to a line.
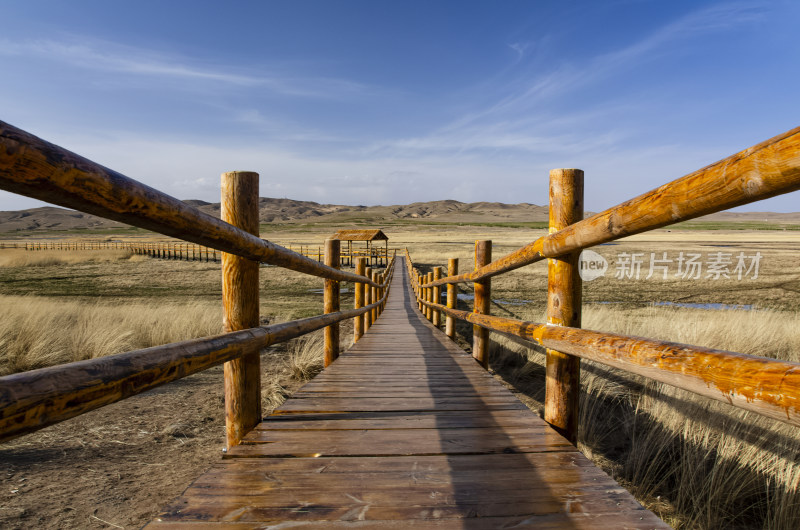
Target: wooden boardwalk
405	429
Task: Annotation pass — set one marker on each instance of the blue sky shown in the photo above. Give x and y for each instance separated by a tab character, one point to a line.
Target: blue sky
377	102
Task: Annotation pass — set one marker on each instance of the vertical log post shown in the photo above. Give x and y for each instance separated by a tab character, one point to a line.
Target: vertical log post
452	298
483	295
358	323
437	297
375	296
564	305
427	296
331	301
381	278
240	303
368	297
420	281
418	276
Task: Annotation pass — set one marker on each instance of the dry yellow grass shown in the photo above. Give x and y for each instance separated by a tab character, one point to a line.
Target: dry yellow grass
37	332
43	258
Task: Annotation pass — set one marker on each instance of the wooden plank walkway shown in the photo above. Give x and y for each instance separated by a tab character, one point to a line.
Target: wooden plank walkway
405	429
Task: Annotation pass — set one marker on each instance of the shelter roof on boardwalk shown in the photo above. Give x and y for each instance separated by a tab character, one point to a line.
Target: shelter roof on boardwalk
361	235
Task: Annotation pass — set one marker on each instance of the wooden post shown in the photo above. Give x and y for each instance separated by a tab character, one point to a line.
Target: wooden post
375	296
452	298
367	298
240	300
379	309
358	323
437	297
564	305
420	291
383	293
331	301
483	296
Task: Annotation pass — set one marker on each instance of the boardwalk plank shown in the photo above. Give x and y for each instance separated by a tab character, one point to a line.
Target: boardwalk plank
405	429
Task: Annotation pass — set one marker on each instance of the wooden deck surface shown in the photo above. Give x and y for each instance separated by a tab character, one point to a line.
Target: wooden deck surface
404	430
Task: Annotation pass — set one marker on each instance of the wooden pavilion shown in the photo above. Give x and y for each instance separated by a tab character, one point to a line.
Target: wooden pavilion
374	253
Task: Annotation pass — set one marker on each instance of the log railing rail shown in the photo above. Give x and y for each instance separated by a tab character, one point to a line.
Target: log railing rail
767	386
35	399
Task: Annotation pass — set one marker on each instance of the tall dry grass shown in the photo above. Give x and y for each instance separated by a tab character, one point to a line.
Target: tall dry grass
44	258
40	331
698	463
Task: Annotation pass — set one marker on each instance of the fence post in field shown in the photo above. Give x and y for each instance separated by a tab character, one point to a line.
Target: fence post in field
375	296
452	297
483	296
331	301
564	305
358	295
367	297
437	297
241	306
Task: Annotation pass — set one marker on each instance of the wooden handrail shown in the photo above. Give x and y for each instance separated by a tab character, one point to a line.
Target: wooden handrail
759	172
35	168
767	386
32	400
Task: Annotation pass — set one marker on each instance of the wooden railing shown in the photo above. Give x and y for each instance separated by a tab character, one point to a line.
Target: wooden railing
767	386
32	400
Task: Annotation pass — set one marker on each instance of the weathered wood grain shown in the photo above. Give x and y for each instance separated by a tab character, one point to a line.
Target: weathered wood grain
452	298
482	304
564	298
436	297
358	302
368	299
331	302
240	300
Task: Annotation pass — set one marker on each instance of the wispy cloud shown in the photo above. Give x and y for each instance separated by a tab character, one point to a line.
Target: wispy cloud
520	48
524	117
122	59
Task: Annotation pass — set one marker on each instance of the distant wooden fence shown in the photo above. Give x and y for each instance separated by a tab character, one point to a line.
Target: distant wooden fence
32	400
154	249
191	252
767	386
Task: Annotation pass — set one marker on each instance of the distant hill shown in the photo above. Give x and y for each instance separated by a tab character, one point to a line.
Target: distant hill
292	211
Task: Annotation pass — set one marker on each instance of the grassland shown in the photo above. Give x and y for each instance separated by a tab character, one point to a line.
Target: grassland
698	464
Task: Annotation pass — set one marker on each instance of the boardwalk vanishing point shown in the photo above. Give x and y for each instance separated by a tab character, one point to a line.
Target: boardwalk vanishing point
404	430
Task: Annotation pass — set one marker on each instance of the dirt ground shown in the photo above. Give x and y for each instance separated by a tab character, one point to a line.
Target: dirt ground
116	467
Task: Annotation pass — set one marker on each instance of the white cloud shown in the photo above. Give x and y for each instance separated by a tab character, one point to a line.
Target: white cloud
116	58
